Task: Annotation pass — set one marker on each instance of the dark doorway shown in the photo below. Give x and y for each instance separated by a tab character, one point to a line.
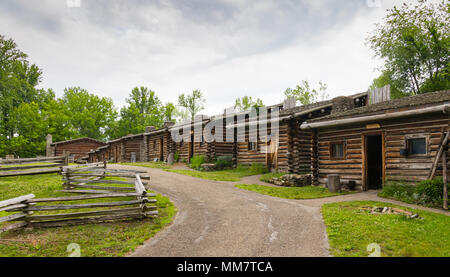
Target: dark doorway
374	156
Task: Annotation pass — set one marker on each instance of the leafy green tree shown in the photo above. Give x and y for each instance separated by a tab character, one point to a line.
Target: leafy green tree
89	114
414	41
169	112
18	81
246	102
307	95
192	103
144	109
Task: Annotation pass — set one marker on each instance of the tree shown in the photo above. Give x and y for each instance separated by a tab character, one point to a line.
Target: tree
18	81
192	103
245	103
169	112
89	114
414	41
387	79
144	109
307	95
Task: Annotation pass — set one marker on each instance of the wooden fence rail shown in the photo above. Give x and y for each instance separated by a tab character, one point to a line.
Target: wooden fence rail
19	167
135	203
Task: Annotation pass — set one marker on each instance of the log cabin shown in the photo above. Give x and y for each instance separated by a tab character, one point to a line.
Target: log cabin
394	140
75	148
292	150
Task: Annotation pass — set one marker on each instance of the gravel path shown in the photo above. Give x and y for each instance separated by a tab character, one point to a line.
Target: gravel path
216	219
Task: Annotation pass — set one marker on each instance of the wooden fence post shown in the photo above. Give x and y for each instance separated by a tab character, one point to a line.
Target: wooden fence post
444	177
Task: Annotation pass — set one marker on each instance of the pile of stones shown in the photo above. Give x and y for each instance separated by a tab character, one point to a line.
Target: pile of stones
292	180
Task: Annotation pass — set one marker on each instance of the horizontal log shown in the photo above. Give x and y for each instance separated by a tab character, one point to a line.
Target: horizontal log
13	227
12	217
31	167
16	200
74	222
13	207
90	205
100	196
29	172
130	176
123	211
29	160
100	181
101	187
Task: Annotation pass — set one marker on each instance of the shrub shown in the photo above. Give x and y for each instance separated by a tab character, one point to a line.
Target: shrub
399	191
431	191
197	161
176	156
223	162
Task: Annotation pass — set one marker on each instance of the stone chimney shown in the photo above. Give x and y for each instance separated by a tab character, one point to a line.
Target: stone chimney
49	149
168	124
149	129
342	104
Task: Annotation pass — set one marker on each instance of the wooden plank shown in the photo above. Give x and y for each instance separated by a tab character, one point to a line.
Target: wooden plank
29	160
100	181
81	221
75	198
89	205
438	156
29	172
123	211
12	217
13	227
130	176
16	200
30	167
102	187
13	207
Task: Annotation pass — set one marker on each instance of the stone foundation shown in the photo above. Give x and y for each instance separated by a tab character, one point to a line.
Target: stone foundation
293	180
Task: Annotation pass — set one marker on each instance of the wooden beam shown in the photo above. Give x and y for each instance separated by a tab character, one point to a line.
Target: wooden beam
16	200
438	156
445	178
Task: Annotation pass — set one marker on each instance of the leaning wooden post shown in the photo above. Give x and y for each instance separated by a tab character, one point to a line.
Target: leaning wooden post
66	159
444	177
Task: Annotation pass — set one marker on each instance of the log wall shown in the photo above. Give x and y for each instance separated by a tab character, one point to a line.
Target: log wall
77	149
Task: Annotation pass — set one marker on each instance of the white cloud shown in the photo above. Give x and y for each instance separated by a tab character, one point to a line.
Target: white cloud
227	49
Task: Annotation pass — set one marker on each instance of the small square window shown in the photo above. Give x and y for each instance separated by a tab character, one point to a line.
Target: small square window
337	150
417	146
252	146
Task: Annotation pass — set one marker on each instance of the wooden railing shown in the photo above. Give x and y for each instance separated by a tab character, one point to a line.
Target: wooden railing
27	211
32	166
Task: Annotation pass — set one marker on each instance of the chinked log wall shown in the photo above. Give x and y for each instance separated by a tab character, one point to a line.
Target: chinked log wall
300	146
396	167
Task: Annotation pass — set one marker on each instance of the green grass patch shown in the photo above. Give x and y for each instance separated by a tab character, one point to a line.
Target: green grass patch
269	176
159	165
231	175
351	229
308	192
95	240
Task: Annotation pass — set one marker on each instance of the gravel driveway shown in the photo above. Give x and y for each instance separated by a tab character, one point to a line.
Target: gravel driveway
216	219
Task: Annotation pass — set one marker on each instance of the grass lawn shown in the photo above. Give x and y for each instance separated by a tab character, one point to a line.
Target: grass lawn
269	176
351	230
309	192
95	240
231	175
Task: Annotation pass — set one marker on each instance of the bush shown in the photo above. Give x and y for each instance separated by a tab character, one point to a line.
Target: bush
176	156
431	191
197	161
223	162
428	193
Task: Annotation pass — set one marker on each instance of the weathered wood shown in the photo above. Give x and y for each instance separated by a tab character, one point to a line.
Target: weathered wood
29	160
334	183
438	156
75	198
89	205
86	214
100	181
130	176
14	226
87	191
101	187
13	207
445	180
29	172
16	200
72	222
12	217
30	167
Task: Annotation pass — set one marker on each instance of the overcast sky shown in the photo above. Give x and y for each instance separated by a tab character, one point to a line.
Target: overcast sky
225	48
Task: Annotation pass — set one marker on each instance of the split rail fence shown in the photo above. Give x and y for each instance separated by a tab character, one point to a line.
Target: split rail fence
127	203
32	166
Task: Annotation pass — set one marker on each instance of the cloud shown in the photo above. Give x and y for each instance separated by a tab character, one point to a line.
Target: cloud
226	48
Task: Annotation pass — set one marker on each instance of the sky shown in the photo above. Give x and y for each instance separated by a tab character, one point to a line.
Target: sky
225	48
